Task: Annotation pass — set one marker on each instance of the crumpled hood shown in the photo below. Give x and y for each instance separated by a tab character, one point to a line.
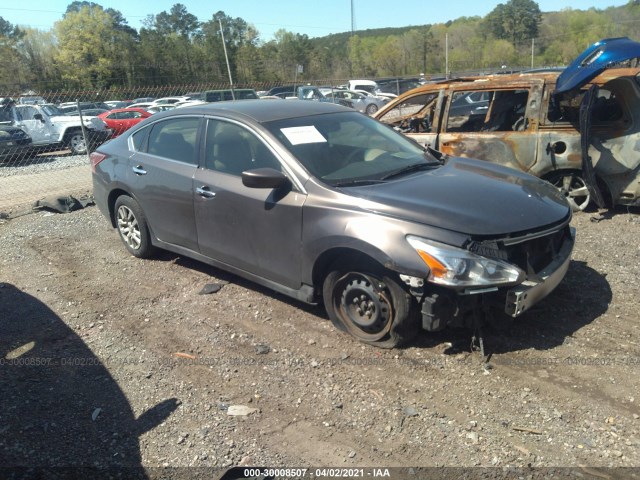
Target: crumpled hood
469	196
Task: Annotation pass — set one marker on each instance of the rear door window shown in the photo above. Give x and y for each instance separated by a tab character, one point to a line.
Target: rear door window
175	139
488	111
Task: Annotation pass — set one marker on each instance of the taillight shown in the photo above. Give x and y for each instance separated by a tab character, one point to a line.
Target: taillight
96	158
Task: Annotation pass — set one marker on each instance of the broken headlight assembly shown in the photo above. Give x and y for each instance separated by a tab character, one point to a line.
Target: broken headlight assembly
455	267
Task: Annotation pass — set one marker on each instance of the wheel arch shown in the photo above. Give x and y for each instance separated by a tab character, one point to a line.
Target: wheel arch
111	202
68	131
347	255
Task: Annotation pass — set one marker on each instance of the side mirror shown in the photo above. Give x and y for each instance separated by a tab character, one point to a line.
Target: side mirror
38	116
264	178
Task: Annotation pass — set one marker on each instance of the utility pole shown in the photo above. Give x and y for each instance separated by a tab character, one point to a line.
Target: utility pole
224	46
446	55
353	18
533	49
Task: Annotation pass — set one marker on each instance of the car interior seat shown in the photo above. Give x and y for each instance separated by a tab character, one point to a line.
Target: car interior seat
172	145
231	154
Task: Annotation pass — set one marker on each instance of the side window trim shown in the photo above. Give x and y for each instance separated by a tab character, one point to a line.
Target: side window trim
288	171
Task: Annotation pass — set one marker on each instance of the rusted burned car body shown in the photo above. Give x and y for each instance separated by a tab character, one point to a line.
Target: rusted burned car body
523	122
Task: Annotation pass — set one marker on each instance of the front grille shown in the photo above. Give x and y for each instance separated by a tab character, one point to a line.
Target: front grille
534	255
530	255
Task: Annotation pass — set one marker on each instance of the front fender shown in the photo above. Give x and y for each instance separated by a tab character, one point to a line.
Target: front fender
346	233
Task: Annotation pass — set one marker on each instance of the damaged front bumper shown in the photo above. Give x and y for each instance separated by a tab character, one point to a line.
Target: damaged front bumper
442	307
532	290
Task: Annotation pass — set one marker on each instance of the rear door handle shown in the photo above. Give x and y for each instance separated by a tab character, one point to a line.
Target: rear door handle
205	192
139	170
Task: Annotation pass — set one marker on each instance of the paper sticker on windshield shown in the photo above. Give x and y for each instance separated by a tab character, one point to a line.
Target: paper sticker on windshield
301	135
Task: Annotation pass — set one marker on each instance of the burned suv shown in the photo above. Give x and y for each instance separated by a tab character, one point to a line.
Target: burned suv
578	129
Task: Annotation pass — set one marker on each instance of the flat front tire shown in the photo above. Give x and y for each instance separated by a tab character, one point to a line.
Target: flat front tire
132	227
370	305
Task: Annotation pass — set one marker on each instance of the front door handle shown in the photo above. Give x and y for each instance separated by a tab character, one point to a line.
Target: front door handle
205	192
139	170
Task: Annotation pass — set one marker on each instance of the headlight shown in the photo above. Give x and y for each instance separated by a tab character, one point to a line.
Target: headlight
456	267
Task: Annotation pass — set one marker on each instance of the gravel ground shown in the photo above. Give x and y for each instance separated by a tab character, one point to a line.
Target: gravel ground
108	360
42	163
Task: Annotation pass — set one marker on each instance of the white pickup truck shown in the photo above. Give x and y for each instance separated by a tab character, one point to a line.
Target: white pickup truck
49	128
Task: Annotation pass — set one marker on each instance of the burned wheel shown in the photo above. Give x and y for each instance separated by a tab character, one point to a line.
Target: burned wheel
371	306
573	186
132	227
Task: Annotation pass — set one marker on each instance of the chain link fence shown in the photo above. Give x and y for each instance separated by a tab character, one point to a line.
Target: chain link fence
43	152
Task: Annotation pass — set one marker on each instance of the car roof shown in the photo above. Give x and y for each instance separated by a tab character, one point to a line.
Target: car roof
260	111
117	110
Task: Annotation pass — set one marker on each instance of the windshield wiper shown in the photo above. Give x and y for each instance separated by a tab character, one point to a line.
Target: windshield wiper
411	168
357	182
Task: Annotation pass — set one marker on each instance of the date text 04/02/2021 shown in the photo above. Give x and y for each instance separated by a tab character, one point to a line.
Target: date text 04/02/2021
316	473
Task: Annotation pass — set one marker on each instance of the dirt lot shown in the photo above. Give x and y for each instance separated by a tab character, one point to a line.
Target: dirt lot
111	360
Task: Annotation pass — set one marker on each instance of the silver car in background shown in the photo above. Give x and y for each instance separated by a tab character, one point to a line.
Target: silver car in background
362	102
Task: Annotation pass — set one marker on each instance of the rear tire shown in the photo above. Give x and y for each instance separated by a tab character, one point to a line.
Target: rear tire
371	109
132	227
370	305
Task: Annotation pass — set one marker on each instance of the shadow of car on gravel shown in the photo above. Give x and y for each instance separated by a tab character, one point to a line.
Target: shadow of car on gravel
228	277
63	415
582	297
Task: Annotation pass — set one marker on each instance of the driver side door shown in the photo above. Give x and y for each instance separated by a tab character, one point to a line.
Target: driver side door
257	230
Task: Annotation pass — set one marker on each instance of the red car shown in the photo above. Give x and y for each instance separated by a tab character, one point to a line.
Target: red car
121	119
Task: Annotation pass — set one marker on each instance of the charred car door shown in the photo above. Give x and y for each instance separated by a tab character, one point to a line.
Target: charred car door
500	126
418	117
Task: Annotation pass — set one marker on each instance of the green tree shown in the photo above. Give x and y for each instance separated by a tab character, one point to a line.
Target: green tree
177	21
241	40
13	72
88	48
38	49
516	21
292	49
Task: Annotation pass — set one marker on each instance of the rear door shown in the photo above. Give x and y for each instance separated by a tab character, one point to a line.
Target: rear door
257	230
495	124
161	178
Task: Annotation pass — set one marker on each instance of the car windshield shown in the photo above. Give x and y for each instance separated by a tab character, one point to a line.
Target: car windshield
52	110
349	148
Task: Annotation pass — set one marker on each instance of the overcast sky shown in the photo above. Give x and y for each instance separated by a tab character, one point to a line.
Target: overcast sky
316	19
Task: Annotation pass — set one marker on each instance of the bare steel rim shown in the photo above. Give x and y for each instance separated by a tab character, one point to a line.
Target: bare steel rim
574	188
364	305
128	227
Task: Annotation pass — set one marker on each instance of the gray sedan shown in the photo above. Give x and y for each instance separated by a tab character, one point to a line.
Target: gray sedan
322	203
